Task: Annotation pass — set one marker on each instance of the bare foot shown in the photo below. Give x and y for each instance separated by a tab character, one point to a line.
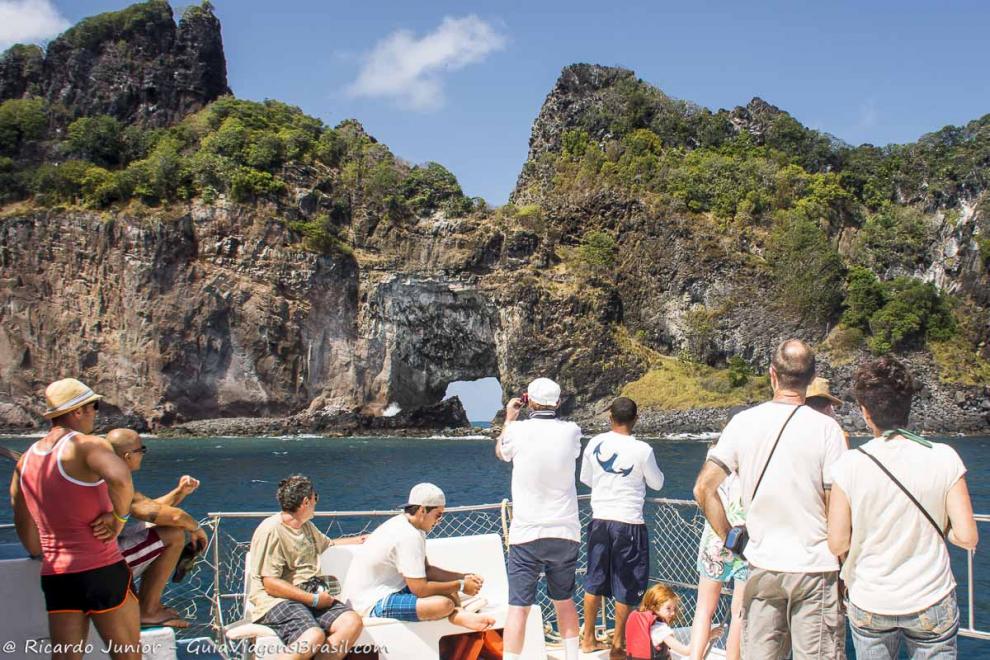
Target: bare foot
164	618
473	621
593	645
161	613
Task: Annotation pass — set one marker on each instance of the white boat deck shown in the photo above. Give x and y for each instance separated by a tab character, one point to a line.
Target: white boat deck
212	595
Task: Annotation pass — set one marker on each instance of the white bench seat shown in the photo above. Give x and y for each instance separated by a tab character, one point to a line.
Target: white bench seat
25	620
483	555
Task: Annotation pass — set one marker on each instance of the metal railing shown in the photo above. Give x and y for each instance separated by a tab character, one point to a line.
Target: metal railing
971	630
675	525
212	595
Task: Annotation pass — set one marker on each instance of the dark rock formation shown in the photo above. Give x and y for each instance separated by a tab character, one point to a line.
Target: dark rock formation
448	416
134	64
210	318
22	72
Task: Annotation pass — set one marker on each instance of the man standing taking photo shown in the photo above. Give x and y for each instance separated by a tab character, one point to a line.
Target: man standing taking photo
783	452
545	533
618	468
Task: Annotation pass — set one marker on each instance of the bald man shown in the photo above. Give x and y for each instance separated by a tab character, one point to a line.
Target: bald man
783	452
153	538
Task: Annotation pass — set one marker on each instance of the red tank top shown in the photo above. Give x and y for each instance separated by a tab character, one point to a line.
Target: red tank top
63	508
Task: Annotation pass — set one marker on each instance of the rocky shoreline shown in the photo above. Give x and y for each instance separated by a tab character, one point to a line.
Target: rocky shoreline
447	420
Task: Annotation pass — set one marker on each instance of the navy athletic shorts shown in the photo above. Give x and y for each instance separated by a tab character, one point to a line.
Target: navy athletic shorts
618	560
555	557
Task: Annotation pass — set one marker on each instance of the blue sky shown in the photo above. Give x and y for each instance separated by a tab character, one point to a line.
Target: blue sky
876	72
461	82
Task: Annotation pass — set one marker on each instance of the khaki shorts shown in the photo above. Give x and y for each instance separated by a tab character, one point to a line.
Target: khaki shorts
800	612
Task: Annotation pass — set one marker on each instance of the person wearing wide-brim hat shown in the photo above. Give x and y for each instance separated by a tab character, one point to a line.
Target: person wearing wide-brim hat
71	495
820	398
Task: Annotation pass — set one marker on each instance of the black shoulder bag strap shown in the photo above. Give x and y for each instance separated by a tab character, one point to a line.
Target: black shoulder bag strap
772	450
873	458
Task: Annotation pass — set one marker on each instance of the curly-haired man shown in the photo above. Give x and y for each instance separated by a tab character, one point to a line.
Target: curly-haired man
287	592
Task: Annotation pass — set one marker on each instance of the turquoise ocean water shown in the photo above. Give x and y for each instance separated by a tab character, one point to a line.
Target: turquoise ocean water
240	474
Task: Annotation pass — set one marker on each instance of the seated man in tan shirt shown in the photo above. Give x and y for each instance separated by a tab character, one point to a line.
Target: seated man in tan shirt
287	593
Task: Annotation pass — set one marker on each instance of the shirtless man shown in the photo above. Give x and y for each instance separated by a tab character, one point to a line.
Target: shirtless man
71	496
152	550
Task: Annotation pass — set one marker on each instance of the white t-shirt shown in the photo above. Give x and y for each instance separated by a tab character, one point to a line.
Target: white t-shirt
897	563
393	552
660	632
619	468
544	496
787	520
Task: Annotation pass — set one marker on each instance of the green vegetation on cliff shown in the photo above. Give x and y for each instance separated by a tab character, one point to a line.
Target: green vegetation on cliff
246	150
675	384
93	31
838	233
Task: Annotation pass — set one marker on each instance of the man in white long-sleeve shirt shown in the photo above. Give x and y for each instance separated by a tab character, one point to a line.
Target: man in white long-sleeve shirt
618	468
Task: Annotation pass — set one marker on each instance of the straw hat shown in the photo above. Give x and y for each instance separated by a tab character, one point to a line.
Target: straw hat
819	388
64	396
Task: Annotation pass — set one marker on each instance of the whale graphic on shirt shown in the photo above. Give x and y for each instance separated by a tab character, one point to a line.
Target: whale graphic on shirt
608	463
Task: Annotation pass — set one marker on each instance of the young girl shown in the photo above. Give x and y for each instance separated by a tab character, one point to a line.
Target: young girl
649	635
716	567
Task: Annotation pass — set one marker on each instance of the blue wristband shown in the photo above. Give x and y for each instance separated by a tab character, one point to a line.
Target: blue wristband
316	600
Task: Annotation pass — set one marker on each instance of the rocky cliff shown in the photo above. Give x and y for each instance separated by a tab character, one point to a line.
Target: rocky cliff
249	262
136	65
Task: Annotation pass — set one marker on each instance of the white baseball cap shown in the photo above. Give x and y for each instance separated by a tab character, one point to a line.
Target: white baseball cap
426	494
544	392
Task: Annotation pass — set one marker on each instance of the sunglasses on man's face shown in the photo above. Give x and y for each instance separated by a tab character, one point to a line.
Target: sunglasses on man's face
96	406
140	450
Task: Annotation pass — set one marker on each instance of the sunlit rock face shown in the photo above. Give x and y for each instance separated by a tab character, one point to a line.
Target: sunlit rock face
207	309
137	65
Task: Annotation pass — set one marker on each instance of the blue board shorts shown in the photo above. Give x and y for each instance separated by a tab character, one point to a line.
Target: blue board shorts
400	605
557	558
618	560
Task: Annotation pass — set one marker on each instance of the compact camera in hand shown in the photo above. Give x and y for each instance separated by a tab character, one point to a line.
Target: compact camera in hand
736	540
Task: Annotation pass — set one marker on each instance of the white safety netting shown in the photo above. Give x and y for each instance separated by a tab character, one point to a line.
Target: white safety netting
212	595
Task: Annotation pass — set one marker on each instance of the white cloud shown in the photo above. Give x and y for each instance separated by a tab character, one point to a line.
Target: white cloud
28	21
410	70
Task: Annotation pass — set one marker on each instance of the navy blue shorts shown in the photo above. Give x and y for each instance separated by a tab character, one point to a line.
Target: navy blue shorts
618	560
555	557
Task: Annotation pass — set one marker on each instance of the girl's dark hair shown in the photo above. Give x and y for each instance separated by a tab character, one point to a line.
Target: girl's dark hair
885	388
292	491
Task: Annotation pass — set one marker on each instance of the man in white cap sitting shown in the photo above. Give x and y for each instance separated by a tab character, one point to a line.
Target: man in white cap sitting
545	533
391	577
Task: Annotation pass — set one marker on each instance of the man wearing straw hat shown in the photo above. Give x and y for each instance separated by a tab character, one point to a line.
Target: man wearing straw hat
71	496
820	398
